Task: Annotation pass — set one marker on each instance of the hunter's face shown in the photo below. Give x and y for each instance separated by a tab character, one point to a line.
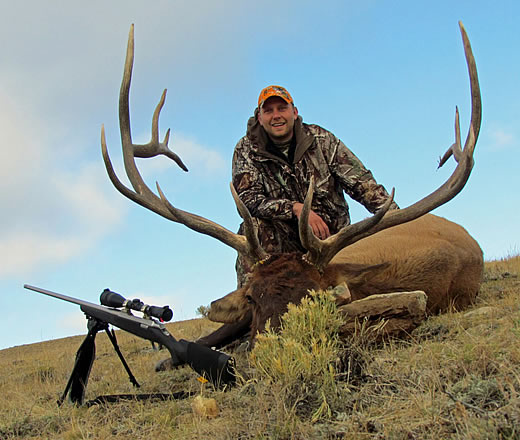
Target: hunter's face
277	118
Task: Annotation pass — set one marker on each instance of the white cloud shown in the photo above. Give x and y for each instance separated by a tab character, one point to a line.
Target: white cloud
21	149
26	250
502	138
204	164
200	158
79	216
83	194
180	300
73	323
52	210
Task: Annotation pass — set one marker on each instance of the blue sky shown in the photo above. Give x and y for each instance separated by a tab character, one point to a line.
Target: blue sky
384	76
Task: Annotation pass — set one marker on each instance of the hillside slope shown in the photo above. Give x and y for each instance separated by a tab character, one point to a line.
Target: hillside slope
457	376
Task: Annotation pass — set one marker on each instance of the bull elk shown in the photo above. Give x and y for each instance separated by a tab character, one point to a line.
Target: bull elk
394	250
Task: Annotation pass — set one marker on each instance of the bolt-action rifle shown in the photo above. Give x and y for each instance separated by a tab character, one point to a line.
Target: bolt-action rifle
212	365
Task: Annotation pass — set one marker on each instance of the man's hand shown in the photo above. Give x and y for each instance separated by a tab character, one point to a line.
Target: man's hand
318	226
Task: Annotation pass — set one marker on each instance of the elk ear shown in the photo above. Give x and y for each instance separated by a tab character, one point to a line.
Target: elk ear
231	308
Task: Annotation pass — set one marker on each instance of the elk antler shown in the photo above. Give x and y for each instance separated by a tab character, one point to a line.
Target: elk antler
248	245
320	252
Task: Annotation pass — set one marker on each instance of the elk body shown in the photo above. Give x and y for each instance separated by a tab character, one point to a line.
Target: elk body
398	250
430	254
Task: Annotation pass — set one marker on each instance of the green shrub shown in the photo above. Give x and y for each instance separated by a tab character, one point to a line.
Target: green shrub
299	361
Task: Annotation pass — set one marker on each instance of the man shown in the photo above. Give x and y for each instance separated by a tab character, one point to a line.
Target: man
272	166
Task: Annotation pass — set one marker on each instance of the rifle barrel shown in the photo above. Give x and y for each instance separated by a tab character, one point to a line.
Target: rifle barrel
70	299
98	310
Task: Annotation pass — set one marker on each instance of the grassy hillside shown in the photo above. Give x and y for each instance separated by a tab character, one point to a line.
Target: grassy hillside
457	376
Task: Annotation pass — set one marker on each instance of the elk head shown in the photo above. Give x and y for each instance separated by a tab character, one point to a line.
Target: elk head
279	279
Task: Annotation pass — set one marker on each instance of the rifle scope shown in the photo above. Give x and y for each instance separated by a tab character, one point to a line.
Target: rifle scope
113	299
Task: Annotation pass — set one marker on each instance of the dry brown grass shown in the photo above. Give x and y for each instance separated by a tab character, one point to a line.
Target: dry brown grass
457	376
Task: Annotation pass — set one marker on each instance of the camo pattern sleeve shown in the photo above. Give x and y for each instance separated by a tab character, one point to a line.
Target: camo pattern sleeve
254	180
357	181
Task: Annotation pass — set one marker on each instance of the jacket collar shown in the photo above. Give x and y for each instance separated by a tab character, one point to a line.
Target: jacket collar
259	138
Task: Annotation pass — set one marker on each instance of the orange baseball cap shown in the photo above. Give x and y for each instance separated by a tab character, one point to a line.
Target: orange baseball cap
271	91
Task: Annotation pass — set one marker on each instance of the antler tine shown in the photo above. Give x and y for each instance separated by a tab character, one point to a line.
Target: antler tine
476	109
154	147
248	245
309	241
322	252
255	250
455	148
141	194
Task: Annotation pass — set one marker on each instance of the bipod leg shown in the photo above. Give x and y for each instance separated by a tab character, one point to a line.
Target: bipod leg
83	364
112	337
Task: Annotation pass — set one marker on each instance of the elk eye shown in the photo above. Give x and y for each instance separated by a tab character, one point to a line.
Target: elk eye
249	299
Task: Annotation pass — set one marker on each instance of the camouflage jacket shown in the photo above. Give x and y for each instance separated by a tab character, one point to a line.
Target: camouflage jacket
269	184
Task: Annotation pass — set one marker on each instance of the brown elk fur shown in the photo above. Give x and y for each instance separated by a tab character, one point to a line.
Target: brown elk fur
431	254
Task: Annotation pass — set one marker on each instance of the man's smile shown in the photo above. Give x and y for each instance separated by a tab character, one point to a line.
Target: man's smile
277	117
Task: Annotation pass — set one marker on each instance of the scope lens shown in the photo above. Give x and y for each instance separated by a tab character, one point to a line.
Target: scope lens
111	299
163	313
